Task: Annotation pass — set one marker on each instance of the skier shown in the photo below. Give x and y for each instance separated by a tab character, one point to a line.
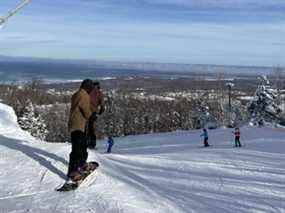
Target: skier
98	107
110	144
205	135
237	137
80	113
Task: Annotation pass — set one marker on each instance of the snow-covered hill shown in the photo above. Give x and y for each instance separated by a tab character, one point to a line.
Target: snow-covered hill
169	172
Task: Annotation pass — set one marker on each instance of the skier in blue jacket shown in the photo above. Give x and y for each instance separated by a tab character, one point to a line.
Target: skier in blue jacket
205	135
110	144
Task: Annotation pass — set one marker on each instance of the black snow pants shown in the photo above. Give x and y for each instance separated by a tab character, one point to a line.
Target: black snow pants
79	154
91	135
237	141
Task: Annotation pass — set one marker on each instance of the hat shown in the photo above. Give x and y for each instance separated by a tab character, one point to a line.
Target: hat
87	84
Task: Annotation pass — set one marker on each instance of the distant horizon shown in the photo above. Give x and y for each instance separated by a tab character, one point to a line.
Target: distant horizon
227	32
15	58
23	69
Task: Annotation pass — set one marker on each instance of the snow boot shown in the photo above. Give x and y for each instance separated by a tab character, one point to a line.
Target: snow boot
75	176
89	167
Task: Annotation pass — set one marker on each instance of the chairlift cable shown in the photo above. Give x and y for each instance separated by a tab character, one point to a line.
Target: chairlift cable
12	12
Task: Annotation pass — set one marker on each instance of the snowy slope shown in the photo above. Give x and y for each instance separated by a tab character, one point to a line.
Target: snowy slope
169	172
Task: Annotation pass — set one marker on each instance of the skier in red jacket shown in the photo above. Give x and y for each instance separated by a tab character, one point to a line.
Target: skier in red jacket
237	137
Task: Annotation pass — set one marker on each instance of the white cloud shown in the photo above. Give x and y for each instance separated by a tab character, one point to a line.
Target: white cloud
92	29
221	3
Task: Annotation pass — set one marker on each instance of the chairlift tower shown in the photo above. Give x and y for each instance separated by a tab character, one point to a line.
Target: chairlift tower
230	86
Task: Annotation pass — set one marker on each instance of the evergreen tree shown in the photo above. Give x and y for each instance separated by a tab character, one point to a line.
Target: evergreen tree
32	122
263	107
206	119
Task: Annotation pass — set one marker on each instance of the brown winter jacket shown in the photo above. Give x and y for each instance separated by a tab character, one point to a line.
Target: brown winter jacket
80	111
96	104
97	101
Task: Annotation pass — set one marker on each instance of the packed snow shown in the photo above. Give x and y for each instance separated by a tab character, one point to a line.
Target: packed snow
169	172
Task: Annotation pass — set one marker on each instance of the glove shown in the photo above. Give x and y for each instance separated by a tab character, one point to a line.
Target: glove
102	109
94	116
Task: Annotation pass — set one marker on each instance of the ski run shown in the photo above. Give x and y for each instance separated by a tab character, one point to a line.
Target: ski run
169	172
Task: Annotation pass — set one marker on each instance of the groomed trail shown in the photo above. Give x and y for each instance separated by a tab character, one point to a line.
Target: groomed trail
165	173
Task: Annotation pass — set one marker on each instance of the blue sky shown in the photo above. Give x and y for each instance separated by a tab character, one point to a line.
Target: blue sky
230	32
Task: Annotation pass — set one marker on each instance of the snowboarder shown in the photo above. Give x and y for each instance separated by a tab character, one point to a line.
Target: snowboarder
110	144
237	137
205	135
80	113
98	107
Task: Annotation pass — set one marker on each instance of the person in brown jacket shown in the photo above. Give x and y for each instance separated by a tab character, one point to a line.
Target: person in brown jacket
80	113
98	107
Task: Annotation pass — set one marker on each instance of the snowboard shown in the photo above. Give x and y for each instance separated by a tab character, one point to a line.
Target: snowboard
70	186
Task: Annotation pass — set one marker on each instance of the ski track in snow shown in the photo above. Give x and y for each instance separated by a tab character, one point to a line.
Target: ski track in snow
157	173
